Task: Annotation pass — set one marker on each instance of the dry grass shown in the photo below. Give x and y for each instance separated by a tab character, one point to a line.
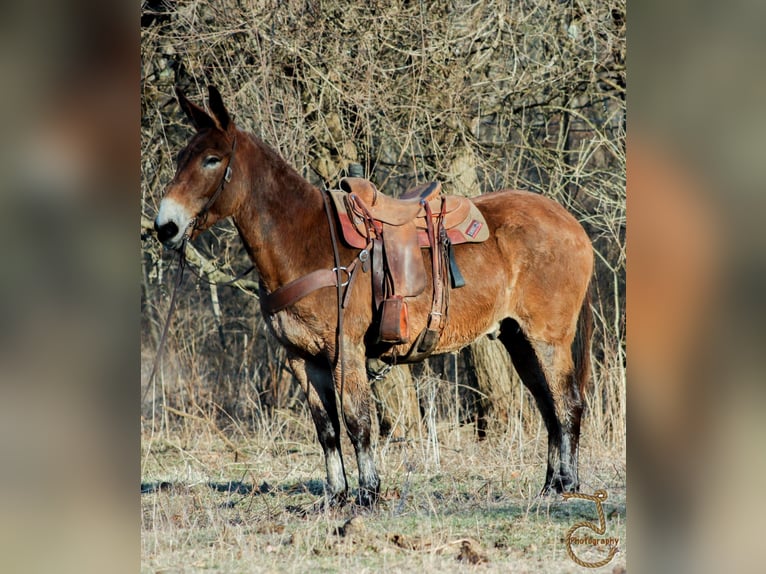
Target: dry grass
244	499
247	504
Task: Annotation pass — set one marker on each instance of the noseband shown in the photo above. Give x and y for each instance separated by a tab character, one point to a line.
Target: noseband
202	214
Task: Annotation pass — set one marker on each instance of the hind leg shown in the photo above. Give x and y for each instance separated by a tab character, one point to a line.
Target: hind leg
317	384
571	405
543	370
556	362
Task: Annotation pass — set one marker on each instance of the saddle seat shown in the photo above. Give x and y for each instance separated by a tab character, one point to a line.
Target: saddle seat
390	209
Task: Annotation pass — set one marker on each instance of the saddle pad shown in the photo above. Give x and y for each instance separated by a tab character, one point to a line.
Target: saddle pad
472	228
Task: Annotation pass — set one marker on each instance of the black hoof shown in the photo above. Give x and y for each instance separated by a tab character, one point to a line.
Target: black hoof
331	501
367	498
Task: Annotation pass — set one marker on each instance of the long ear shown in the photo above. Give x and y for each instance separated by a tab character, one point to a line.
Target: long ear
217	107
199	118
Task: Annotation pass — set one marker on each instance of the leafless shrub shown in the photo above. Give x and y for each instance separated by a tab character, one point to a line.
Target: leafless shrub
481	95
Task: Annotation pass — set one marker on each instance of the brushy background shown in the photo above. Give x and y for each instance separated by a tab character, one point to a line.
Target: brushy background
70	296
480	96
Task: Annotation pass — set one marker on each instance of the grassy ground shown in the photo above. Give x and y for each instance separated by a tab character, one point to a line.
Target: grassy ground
245	502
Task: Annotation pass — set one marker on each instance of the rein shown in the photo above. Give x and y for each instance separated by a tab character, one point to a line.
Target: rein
182	266
171	309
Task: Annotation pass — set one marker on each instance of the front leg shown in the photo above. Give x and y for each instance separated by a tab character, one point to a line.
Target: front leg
317	384
354	392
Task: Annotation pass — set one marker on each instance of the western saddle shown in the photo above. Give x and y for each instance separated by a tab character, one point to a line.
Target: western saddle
391	233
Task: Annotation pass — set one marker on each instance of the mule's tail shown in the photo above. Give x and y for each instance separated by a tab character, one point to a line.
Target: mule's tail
581	345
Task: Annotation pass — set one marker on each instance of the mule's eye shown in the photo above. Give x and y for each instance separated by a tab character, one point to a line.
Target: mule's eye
211	161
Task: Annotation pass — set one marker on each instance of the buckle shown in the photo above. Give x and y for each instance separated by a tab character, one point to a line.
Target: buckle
345	270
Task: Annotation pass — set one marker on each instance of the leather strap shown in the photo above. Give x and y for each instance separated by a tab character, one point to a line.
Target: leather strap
298	289
197	221
456	276
378	273
429	337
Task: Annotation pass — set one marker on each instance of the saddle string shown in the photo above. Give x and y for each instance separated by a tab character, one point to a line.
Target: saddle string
434	228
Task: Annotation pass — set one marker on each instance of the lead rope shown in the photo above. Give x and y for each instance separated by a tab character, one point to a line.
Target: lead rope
171	308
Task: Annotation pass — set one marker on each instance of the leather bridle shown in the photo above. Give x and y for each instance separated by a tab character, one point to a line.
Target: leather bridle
202	214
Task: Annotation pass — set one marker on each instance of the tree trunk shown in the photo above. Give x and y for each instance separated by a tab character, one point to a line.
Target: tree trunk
489	372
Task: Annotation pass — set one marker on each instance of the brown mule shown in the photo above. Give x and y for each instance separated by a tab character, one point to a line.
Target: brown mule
528	283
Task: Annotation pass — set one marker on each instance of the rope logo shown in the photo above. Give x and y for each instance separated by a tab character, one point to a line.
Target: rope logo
597	497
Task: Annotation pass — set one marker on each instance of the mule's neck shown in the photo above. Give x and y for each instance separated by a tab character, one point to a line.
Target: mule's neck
281	217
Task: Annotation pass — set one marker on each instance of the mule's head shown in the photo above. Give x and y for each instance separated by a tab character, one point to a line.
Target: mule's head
199	194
